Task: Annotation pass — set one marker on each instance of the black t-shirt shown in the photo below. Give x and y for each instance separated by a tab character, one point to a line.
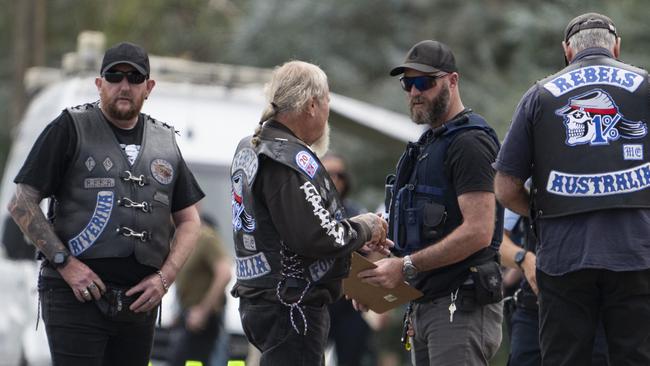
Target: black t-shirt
469	162
53	153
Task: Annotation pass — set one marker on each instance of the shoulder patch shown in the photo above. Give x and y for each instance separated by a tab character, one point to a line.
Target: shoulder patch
307	163
246	161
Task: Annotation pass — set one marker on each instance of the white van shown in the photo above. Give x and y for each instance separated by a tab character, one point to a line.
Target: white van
213	107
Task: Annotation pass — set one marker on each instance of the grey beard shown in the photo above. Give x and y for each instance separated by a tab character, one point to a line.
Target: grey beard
320	146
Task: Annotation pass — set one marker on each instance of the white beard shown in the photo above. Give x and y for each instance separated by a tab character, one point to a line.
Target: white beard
320	146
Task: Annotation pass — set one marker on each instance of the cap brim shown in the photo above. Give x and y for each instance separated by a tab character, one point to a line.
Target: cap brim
137	67
419	67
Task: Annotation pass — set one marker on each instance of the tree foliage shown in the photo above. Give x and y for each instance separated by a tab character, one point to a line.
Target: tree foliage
501	46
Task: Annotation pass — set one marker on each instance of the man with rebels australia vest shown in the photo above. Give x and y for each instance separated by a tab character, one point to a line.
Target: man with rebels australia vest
293	240
582	135
119	185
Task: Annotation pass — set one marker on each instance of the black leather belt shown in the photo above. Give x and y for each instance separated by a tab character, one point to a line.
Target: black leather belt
47	271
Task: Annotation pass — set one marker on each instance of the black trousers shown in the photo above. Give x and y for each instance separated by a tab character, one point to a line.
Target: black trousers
572	304
79	334
268	326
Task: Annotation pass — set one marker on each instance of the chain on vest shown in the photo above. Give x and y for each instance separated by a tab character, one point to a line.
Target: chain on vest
109	208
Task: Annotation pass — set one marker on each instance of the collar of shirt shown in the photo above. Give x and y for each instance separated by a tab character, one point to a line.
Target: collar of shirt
594	51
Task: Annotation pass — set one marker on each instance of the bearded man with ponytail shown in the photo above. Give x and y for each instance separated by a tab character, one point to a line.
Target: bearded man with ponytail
293	240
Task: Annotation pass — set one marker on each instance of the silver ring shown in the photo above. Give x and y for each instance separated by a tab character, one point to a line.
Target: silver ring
92	286
85	293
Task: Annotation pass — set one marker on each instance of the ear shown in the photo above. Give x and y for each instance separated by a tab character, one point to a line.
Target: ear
453	79
98	83
617	48
312	107
568	52
150	84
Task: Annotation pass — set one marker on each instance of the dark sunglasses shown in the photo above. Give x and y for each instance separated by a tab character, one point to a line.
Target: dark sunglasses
133	77
421	83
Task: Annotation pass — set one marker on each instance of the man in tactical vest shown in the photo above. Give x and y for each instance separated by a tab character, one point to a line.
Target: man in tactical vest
581	135
444	220
292	238
117	184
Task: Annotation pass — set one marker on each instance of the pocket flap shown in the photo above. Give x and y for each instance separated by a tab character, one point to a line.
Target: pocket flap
434	214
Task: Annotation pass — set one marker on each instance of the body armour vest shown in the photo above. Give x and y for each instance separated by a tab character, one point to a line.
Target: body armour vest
110	208
262	260
424	204
591	139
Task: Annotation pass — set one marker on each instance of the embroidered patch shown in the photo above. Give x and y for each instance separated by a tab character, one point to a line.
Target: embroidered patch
603	184
161	197
162	171
241	220
249	242
307	163
319	268
331	227
246	161
633	152
594	118
90	163
107	163
90	183
252	267
89	235
594	75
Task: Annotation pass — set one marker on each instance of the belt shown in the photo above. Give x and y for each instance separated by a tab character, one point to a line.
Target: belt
526	300
47	271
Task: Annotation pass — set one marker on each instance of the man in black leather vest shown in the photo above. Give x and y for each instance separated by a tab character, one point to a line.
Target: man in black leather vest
582	135
117	182
444	219
292	239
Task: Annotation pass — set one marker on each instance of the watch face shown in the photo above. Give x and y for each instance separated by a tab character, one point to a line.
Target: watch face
410	272
519	257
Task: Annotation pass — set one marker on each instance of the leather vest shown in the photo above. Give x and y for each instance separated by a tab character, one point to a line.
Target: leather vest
259	250
424	205
591	142
108	208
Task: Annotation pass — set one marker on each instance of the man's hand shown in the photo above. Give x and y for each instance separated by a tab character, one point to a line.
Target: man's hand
388	273
151	291
528	267
378	228
85	283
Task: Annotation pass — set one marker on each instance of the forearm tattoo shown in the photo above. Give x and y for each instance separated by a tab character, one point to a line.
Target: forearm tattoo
26	212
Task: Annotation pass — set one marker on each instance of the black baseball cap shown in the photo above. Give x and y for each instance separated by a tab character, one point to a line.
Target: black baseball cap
428	56
589	21
126	53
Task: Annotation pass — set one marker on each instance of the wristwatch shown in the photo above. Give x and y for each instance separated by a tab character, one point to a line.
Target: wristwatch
408	269
520	256
60	259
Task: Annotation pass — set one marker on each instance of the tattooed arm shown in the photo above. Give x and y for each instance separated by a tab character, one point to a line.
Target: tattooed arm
26	212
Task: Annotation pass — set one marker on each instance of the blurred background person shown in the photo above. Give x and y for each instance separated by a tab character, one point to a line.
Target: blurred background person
200	289
352	336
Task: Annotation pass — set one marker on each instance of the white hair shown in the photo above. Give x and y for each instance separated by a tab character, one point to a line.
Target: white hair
292	87
589	38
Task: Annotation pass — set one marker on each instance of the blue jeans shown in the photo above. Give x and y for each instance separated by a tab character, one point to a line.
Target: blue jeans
268	327
79	334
